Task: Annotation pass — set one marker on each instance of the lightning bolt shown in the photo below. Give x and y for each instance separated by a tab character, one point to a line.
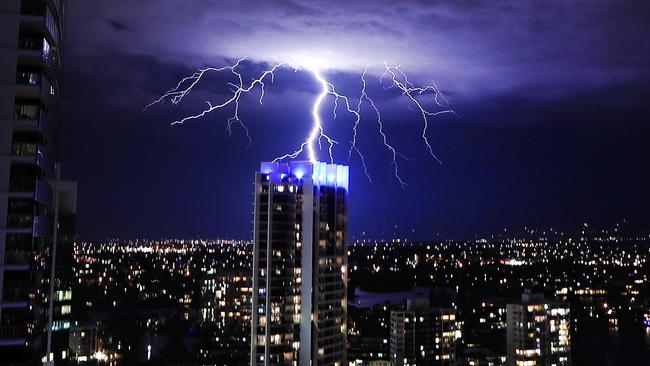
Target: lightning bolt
391	148
400	80
187	84
317	133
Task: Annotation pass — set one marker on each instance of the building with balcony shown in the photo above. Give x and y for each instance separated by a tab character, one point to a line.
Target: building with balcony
538	332
300	264
30	53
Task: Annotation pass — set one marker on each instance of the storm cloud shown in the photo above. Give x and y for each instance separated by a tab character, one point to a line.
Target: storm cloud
472	48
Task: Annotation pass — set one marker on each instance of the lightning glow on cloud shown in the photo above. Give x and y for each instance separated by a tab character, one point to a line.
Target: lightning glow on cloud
317	132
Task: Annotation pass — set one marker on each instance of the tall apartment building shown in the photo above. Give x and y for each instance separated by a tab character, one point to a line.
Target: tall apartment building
30	52
538	332
300	264
422	335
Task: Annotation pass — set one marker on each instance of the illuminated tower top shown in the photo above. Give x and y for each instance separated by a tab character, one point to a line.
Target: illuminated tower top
319	173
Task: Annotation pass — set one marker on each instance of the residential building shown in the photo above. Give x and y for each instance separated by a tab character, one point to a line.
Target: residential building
300	264
225	315
30	53
422	335
538	332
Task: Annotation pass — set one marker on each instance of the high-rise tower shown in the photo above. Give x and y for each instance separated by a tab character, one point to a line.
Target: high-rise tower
300	264
30	44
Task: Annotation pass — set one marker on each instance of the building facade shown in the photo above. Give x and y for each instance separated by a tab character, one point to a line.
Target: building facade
422	335
225	314
300	264
538	332
30	53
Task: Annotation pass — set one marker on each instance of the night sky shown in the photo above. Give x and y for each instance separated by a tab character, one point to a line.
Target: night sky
553	104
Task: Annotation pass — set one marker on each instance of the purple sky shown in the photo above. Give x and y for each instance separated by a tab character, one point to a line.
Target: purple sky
552	98
474	48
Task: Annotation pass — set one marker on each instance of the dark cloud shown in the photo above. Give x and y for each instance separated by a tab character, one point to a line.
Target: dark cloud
474	48
118	26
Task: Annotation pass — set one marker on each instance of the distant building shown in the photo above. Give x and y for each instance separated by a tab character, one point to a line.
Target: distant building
380	363
91	345
30	53
369	351
300	264
422	335
84	343
538	332
225	314
369	334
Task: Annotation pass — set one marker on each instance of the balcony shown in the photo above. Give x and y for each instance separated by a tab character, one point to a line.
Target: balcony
34	84
13	335
24	149
33	120
29	152
20	221
37	225
16	295
21	185
37	16
18	257
36	51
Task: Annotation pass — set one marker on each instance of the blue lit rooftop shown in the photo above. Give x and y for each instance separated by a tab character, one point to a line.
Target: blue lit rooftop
320	173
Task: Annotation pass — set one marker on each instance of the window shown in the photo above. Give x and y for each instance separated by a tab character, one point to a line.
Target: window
18	249
26	110
31	42
28	76
63	295
61	325
66	309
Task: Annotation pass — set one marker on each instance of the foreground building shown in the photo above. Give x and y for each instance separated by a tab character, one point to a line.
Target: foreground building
538	332
422	335
30	51
300	264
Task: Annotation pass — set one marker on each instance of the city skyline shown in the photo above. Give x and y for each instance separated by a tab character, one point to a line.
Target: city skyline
601	276
324	183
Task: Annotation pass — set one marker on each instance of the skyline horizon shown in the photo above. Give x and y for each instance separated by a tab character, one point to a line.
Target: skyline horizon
517	233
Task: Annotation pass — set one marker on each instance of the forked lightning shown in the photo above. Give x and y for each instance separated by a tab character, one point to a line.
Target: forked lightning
317	132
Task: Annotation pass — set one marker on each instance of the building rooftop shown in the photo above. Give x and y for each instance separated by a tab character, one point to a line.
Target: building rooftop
319	173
